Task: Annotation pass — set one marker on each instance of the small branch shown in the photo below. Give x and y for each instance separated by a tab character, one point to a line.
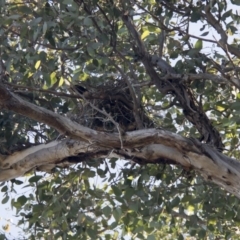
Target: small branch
216	25
136	105
141	48
225	48
157	108
32	89
196	37
120	131
161	43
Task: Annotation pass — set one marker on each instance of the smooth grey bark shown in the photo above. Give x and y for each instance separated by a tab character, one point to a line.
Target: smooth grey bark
146	146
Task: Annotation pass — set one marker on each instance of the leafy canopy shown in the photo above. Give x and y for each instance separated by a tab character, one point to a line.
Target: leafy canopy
49	47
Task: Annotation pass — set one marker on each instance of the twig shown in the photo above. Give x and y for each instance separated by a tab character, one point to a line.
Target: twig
227	53
136	107
216	25
15	86
120	131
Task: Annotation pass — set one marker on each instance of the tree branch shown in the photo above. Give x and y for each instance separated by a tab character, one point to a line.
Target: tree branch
191	109
216	25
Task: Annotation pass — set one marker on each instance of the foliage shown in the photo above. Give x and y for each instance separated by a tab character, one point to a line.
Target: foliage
49	47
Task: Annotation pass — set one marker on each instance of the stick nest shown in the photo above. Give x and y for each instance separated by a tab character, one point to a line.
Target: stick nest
108	108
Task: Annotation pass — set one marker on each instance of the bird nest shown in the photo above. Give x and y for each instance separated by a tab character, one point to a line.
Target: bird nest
108	108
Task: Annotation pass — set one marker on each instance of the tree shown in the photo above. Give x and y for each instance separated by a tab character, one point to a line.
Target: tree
141	96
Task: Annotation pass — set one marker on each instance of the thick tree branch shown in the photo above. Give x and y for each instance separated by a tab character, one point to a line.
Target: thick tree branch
145	146
12	102
191	109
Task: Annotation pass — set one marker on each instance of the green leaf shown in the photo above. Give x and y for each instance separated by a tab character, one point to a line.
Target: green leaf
35	178
95	62
116	190
151	237
87	21
96	45
195	16
204	34
50	38
236	2
145	34
231	30
4	189
24	9
175	202
5	199
154	29
117	213
18	182
22	200
45	28
61	81
235	106
53	78
202	234
15	17
174	55
36	21
226	15
88	174
37	65
107	211
198	44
